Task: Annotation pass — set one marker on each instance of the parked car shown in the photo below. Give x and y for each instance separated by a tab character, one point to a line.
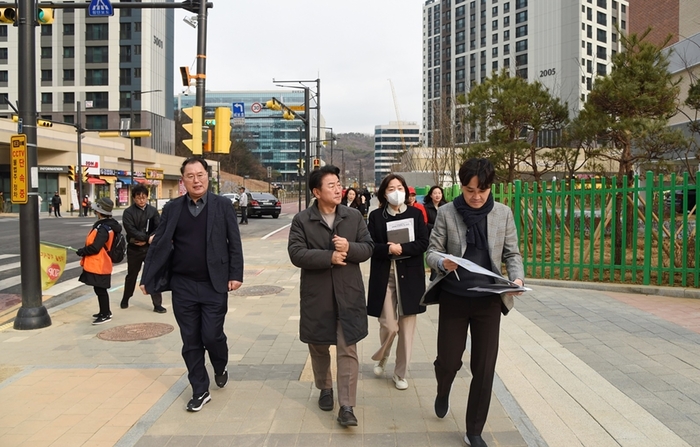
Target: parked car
263	204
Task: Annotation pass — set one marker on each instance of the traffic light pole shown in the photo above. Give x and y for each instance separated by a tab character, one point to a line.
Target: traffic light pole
32	314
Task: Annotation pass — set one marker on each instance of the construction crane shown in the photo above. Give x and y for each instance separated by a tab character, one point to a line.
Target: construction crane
398	117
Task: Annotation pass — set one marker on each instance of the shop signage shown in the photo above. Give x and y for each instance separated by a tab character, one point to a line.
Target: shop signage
19	175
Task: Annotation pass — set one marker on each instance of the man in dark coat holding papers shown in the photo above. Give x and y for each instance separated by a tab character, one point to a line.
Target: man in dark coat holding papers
476	228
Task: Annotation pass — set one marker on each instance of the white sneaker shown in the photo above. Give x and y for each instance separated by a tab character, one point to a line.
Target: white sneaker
379	367
401	384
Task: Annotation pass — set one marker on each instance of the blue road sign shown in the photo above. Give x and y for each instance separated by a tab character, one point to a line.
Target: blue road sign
238	110
100	8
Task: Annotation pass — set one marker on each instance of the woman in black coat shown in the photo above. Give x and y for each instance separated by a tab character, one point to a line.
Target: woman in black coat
355	200
432	201
397	274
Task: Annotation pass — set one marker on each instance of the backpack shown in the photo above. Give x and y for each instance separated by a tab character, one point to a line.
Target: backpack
118	250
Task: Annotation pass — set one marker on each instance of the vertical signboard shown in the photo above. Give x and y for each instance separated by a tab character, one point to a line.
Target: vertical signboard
19	176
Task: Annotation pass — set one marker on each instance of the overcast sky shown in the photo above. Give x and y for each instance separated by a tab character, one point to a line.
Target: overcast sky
354	47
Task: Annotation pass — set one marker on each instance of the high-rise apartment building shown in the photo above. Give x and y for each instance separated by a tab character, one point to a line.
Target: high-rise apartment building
564	44
390	142
678	18
116	67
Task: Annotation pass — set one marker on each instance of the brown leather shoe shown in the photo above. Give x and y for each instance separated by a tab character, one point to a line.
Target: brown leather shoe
346	417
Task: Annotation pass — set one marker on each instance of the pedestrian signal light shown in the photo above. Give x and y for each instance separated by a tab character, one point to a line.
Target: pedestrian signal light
273	104
222	132
8	15
194	128
317	163
45	16
71	173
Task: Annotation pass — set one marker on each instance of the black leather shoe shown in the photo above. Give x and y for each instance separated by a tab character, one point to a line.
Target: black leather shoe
160	309
475	441
346	417
442	406
325	400
221	379
125	303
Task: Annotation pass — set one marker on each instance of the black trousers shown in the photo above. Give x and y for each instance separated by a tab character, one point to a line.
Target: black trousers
102	300
482	316
244	214
57	211
135	256
200	312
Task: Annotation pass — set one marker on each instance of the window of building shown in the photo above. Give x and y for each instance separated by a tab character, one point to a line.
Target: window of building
137	27
68	29
3	30
600	52
125	53
494	38
3	54
68	52
472	5
602	18
589	66
521	45
600	69
506	62
506	21
46	52
125	76
589	14
521	31
482	28
70	119
521	60
494	11
460	48
603	4
4	76
69	10
623	8
46	75
520	4
137	50
96	31
96	77
459	11
521	17
613	37
459	62
125	31
46	30
459	37
494	65
97	55
506	49
482	42
494	52
137	72
589	49
96	122
494	25
506	35
623	24
521	73
69	75
47	98
589	32
602	35
506	7
100	100
68	98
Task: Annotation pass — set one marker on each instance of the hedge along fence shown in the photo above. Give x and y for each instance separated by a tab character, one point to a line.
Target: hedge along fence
608	230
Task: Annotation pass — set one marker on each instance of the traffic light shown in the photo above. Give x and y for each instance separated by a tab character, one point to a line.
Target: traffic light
317	163
84	174
186	76
125	134
222	132
44	123
273	104
71	173
288	115
8	15
194	128
206	138
45	16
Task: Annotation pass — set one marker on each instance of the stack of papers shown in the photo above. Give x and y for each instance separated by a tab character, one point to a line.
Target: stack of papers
506	285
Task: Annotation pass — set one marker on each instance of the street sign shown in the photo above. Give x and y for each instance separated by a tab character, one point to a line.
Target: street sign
19	175
100	8
256	107
154	174
269	172
238	110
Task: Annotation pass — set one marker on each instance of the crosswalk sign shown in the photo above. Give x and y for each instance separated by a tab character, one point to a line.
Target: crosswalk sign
100	8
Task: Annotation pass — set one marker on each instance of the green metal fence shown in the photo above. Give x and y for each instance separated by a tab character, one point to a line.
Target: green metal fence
638	230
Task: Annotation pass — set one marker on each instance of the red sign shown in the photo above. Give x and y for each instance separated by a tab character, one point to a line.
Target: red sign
256	107
53	272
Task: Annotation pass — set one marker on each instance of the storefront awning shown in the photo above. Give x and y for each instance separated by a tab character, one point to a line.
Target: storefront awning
140	180
109	178
124	180
96	181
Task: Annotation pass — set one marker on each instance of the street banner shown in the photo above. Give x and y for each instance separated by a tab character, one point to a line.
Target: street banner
53	263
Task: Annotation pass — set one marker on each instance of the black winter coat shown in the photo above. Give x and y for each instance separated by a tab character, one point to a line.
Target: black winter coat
410	271
330	292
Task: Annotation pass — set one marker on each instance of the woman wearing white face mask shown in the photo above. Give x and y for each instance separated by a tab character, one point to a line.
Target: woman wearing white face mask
397	274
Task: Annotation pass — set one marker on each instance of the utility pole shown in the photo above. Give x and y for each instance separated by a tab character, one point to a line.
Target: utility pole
79	166
32	314
201	56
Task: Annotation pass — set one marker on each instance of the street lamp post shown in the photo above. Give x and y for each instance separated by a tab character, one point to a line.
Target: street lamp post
332	140
342	168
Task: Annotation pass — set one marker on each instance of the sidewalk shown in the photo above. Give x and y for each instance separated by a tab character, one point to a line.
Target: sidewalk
576	368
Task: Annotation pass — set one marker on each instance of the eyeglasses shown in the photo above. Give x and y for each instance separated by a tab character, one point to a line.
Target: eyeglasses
199	176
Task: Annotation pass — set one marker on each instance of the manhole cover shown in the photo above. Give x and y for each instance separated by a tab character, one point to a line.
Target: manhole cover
133	332
258	290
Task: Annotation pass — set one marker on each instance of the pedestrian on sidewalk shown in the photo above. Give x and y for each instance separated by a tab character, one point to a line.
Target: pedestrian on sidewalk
414	203
243	205
473	226
397	274
56	204
328	242
198	243
96	263
140	222
86	206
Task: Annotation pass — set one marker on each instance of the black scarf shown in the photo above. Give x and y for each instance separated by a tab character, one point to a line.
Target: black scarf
471	217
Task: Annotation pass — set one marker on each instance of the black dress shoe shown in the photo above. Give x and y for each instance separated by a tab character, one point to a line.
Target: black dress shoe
221	379
475	441
346	417
442	406
125	303
160	309
325	400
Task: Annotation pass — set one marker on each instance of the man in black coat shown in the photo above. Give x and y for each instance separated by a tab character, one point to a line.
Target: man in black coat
197	253
140	221
56	204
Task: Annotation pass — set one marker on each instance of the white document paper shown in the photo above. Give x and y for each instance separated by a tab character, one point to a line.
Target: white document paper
403	223
508	287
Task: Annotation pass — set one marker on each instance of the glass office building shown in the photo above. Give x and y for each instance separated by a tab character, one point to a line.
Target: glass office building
272	139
